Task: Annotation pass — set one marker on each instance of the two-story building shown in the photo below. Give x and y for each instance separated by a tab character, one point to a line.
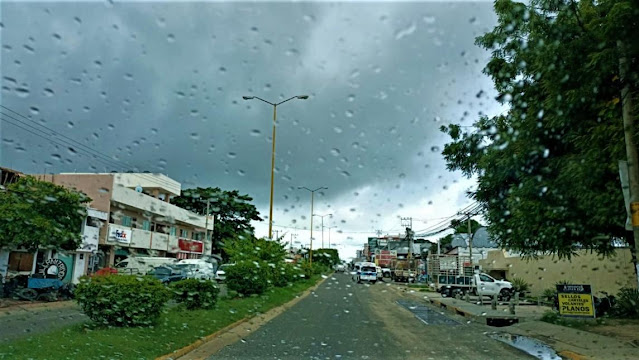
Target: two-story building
140	217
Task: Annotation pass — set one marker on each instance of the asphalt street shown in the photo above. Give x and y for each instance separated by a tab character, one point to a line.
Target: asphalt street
345	320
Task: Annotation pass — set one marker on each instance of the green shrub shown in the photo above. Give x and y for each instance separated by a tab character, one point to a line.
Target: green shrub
122	300
247	277
283	274
195	293
549	295
627	304
307	270
550	317
520	285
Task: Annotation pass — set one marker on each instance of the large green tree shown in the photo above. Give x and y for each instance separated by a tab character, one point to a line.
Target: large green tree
254	249
233	211
35	214
328	257
547	167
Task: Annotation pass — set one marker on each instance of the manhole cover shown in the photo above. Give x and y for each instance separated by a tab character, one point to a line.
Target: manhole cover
427	315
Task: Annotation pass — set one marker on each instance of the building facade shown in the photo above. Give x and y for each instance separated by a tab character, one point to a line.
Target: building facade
140	219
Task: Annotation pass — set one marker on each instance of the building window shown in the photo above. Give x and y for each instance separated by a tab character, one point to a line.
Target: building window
126	220
173	231
184	233
197	236
146	225
111	219
134	223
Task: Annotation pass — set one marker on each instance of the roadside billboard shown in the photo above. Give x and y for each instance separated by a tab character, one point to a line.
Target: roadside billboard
575	301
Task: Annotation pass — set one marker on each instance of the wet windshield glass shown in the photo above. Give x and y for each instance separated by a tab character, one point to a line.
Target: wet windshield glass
337	180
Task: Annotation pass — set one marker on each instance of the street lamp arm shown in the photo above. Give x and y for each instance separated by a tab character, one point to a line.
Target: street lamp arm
266	101
289	99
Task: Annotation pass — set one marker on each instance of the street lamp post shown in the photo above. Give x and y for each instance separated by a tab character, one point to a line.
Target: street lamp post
270	210
312	195
322	216
329	235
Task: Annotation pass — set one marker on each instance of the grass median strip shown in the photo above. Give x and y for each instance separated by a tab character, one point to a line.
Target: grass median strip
175	329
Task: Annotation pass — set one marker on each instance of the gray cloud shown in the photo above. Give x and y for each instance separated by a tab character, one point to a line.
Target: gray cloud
158	86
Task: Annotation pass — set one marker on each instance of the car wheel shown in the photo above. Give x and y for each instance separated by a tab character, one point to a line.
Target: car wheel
504	295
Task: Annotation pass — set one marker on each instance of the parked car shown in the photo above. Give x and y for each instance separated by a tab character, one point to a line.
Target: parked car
142	264
220	275
167	274
198	268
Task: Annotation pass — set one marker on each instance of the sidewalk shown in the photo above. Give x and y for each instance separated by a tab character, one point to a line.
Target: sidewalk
568	342
10	306
575	344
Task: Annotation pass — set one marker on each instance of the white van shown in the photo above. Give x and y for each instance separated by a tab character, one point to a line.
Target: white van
142	264
198	268
367	272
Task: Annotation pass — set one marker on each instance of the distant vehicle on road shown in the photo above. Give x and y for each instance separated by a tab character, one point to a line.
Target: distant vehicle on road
380	275
167	274
340	268
142	264
367	272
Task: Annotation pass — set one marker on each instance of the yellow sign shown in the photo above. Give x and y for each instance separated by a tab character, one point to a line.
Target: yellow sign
634	211
576	305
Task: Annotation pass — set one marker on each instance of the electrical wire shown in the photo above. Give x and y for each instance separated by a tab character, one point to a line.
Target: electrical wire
74	145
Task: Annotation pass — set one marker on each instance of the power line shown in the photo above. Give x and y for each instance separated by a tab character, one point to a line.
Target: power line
94	153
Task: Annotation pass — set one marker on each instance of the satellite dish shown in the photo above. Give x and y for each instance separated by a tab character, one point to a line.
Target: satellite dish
138	188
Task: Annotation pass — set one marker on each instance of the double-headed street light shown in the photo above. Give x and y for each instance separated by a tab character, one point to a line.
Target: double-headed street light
312	195
275	105
322	216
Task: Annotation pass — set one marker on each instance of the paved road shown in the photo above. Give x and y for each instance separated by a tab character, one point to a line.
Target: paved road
22	323
344	320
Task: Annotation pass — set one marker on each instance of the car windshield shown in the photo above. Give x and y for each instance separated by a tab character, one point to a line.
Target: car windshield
362	174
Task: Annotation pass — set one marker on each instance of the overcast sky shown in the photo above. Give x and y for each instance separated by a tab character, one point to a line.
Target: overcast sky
158	87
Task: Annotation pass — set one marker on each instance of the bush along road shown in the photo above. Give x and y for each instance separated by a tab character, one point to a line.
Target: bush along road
130	319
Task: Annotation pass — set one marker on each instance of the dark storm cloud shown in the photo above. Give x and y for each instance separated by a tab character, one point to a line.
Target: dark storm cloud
159	86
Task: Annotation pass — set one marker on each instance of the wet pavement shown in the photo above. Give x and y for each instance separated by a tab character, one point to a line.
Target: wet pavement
345	320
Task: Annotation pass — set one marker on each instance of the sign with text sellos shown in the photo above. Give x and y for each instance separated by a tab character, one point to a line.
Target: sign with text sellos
575	301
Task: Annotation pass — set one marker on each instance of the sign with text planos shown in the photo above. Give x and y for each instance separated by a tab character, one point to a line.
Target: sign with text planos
575	300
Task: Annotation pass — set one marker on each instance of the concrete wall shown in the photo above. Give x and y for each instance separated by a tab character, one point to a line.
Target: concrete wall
604	274
98	187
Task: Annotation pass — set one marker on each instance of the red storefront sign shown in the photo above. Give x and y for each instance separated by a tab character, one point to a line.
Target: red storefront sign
192	246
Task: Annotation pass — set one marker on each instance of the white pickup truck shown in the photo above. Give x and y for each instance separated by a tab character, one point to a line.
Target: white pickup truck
479	284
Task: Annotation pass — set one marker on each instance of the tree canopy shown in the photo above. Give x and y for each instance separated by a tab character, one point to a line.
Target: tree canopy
328	257
36	214
233	212
254	249
547	168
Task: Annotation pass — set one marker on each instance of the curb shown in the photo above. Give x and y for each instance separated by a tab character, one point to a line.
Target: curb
187	349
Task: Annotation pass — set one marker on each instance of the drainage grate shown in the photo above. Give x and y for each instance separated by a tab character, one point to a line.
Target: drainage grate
427	315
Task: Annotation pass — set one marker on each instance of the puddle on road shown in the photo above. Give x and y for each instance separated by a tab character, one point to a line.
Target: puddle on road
427	315
531	346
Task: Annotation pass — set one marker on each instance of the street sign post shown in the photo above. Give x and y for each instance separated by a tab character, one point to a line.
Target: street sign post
575	301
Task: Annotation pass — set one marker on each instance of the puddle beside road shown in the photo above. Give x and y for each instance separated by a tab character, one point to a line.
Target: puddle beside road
531	346
427	315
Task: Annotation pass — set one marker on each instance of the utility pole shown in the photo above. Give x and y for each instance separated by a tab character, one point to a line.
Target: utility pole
470	242
312	197
329	235
631	148
206	224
